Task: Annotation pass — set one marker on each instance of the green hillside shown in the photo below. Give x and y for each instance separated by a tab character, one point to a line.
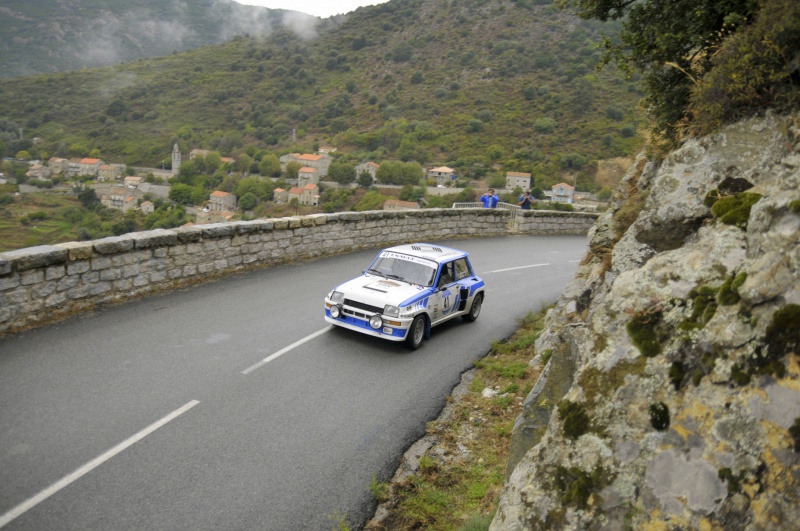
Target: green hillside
43	36
469	83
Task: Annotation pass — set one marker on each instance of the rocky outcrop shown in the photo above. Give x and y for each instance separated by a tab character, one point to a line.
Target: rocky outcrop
683	328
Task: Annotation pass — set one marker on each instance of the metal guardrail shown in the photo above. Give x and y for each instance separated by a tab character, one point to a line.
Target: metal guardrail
507	206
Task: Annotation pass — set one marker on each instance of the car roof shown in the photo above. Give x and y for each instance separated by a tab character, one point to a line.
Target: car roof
437	253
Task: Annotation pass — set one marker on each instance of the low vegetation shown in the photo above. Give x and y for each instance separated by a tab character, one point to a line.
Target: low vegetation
459	480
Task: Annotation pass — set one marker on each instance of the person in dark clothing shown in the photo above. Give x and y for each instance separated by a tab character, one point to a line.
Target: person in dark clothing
525	200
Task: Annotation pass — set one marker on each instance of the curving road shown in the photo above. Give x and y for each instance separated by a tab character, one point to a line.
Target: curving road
233	405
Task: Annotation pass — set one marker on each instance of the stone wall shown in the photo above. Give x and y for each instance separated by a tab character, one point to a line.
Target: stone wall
46	283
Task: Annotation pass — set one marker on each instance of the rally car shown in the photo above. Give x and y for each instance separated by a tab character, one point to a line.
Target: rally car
406	291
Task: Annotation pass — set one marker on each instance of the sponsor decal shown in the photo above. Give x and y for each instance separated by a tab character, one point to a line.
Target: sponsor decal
409	258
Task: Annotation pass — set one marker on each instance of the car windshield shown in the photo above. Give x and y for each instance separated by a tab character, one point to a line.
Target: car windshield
404	267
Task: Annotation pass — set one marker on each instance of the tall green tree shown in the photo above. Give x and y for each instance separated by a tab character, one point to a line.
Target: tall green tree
671	43
342	172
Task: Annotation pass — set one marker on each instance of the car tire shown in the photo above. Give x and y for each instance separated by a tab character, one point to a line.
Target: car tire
475	309
416	332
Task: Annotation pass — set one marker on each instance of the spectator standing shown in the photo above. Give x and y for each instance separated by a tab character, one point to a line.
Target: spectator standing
489	199
524	201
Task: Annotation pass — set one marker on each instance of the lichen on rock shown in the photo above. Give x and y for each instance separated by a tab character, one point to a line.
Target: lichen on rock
700	428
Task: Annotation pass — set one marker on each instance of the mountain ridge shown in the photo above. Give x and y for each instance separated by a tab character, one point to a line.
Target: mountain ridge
470	83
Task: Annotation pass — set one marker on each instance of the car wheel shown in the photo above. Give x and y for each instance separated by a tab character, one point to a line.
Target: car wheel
475	309
416	332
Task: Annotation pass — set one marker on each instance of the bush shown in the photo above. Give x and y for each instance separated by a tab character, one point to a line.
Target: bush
755	68
248	201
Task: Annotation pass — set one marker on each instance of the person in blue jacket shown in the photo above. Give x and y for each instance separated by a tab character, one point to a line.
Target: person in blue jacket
524	201
489	199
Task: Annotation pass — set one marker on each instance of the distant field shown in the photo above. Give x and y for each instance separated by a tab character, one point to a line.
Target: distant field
53	227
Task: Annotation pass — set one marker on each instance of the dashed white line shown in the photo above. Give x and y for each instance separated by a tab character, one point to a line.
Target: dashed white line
285	350
91	465
520	267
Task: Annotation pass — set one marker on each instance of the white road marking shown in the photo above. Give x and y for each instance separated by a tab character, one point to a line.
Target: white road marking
283	351
33	501
513	268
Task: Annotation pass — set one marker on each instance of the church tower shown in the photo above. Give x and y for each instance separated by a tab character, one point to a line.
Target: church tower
176	159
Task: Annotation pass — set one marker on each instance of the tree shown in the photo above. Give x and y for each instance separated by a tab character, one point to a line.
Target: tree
181	193
365	179
292	169
269	166
671	43
88	198
248	201
341	172
395	172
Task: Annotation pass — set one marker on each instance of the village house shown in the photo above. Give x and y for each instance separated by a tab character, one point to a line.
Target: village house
326	149
198	153
442	175
204	217
108	172
307	175
307	195
280	195
369	167
396	204
320	162
147	207
119	198
220	201
58	165
562	193
39	172
518	178
90	166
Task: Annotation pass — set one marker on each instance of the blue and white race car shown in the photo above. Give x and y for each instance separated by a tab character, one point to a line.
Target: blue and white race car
406	291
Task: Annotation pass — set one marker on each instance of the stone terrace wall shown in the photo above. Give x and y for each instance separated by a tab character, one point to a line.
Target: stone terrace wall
43	284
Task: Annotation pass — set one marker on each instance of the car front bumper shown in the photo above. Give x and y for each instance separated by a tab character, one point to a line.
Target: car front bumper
393	329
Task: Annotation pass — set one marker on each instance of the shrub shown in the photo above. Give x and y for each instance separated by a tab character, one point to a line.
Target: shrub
752	70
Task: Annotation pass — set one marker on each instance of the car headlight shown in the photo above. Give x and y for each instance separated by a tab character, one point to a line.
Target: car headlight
391	311
376	321
337	296
336	311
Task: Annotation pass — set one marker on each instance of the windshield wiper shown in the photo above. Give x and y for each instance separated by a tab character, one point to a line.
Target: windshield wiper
375	272
395	277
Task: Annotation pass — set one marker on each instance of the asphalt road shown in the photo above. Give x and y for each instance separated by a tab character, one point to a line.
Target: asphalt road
233	405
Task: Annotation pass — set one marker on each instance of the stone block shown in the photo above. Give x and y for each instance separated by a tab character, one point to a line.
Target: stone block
154	238
35	257
78	250
114	244
28	278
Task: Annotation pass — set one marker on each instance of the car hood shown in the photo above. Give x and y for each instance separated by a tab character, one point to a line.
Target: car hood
379	291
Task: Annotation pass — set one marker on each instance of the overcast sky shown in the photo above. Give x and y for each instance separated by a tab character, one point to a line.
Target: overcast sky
320	8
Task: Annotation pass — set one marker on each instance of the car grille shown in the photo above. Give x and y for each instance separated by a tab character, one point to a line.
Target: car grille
361	306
